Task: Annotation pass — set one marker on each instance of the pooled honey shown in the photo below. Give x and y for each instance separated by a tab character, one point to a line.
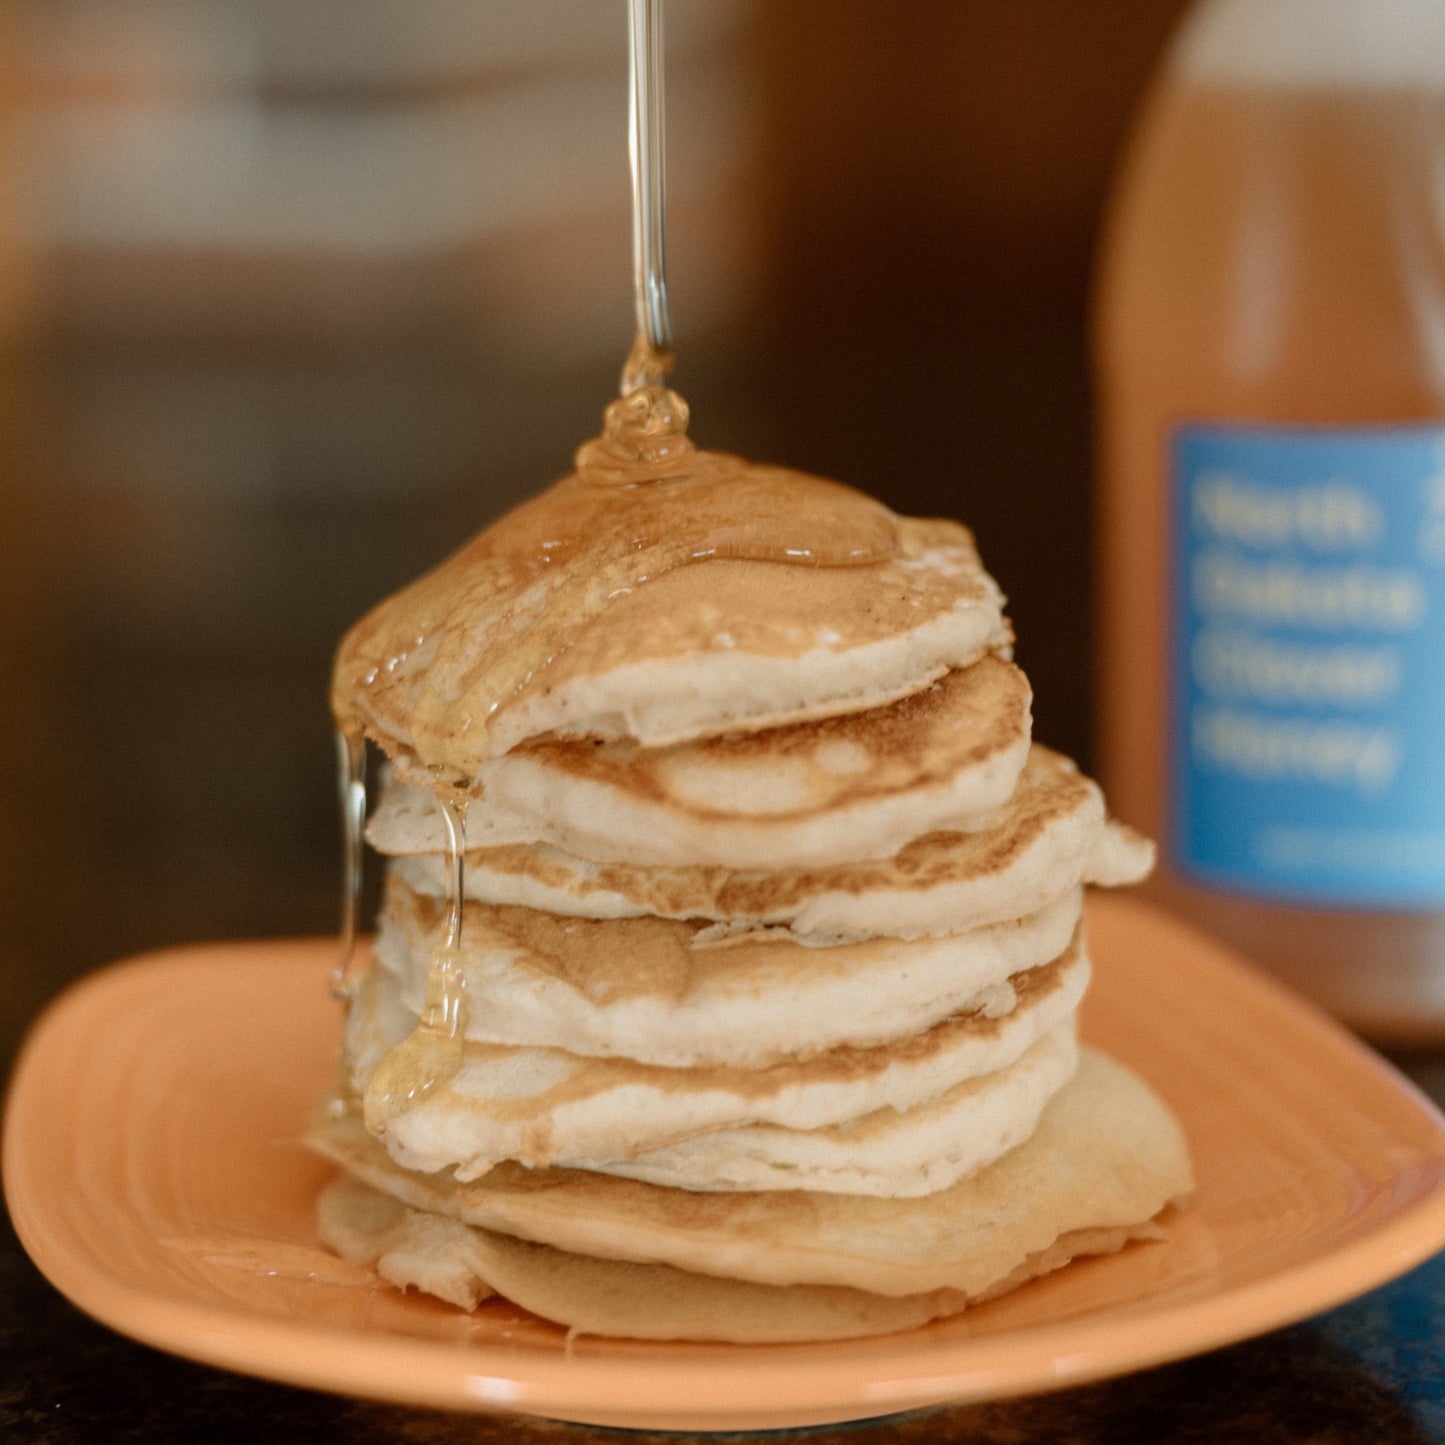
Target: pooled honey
489	622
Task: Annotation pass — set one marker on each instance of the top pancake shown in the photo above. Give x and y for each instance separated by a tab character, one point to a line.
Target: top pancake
807	795
613	628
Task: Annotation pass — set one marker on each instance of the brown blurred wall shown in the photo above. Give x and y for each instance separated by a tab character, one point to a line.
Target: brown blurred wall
934	180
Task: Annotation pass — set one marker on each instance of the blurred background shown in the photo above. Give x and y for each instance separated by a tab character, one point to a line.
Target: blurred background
297	294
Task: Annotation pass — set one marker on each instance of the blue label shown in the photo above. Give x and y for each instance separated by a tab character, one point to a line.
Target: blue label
1308	663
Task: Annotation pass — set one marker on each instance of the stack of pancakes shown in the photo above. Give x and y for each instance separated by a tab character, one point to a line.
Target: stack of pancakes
771	956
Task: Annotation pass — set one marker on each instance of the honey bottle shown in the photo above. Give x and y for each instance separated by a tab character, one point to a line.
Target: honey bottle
1270	365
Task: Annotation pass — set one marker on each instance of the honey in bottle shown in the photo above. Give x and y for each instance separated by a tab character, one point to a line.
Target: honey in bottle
1270	363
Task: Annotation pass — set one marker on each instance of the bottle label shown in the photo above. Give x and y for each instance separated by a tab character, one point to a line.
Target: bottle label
1308	663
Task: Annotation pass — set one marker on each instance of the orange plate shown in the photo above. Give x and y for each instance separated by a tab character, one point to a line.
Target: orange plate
153	1173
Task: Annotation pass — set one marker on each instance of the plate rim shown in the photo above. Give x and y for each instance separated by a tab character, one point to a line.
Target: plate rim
698	1388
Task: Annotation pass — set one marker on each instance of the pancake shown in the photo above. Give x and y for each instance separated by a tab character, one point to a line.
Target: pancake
1106	1155
464	1266
891	1153
545	1106
608	628
1053	836
809	795
637	987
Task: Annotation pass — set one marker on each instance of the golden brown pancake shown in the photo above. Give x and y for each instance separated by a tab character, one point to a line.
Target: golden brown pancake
639	988
1052	836
464	1265
513	637
806	795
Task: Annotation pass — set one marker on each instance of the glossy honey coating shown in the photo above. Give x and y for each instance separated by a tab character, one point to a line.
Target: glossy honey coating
427	671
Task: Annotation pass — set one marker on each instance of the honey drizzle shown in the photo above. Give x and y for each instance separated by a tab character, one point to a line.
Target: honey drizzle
480	633
432	1053
351	770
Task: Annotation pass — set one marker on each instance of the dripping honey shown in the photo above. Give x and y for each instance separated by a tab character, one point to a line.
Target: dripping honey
432	1054
351	759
